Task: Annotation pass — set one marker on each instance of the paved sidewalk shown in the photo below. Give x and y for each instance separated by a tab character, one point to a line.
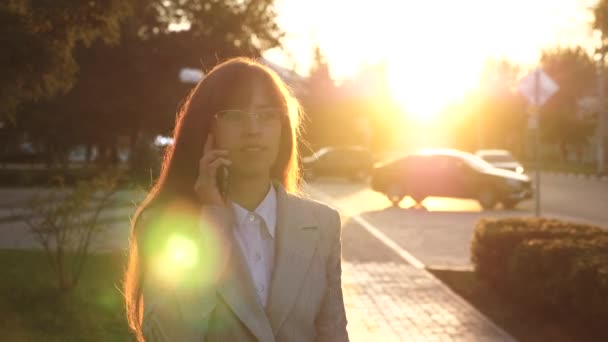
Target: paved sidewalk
397	302
389	299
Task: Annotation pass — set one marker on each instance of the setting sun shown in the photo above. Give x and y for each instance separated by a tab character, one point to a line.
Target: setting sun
434	51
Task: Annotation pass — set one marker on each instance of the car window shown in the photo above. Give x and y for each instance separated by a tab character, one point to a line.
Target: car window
335	157
498	158
476	162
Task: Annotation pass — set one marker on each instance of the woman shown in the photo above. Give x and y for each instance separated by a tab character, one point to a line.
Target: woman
223	249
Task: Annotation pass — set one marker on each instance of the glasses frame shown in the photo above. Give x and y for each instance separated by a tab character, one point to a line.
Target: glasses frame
250	115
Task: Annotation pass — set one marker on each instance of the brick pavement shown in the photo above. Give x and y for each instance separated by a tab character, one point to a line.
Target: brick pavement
388	299
397	302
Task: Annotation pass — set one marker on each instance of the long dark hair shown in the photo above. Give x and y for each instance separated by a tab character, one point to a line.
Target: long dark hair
227	85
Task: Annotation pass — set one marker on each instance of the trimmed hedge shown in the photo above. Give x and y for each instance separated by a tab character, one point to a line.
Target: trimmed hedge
553	266
563	276
495	241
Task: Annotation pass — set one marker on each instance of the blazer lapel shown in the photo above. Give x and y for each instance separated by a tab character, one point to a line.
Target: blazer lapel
297	237
239	294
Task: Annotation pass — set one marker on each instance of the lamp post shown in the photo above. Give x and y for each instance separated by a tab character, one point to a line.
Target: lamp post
601	125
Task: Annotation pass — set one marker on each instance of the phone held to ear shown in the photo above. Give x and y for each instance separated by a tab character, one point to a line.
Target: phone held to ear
222	181
221	176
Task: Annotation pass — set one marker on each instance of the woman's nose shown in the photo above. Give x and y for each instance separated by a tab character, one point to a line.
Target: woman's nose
253	123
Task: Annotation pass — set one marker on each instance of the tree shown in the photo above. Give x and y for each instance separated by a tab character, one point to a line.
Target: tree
574	71
132	88
600	13
502	112
39	38
361	111
319	103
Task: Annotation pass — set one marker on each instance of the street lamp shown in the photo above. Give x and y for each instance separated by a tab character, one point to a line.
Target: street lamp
601	126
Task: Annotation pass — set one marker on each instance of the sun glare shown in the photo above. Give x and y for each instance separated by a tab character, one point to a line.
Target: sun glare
434	51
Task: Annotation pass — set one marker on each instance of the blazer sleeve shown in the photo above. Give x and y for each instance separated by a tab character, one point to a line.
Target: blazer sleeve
180	310
331	320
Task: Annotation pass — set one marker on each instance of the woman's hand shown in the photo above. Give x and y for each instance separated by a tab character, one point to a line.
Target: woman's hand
216	217
206	186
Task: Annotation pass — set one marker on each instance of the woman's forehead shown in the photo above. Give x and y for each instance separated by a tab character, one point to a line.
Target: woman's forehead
253	95
261	97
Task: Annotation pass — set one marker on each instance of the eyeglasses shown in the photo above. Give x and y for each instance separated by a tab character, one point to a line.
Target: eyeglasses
239	118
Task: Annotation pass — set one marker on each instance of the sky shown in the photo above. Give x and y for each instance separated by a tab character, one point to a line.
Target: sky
434	49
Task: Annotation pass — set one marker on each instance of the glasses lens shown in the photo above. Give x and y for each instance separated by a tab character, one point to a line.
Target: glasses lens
231	116
270	114
239	117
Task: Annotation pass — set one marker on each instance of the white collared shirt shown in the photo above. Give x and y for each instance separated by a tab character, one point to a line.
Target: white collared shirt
255	234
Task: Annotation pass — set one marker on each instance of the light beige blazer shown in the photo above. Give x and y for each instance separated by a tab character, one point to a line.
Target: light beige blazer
305	301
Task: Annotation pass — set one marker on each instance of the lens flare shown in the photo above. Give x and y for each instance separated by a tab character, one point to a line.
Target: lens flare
182	253
185	249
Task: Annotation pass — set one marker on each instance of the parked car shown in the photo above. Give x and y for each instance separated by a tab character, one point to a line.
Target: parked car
353	162
449	173
502	159
24	153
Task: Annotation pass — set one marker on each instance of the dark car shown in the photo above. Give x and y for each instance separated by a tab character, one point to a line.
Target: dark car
450	173
351	162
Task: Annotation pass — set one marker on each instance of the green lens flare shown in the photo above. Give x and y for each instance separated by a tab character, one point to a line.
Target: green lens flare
185	250
182	252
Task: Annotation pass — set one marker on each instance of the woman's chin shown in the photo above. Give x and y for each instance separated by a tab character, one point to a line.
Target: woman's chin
252	172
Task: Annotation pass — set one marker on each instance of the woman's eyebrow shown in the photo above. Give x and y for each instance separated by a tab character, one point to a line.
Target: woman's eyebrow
266	105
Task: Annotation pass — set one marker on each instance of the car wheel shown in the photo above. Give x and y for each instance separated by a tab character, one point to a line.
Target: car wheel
418	197
487	199
509	204
395	194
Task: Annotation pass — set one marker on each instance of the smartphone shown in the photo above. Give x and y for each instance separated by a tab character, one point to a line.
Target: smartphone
221	177
222	181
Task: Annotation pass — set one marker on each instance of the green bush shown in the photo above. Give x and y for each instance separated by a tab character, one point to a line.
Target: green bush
563	277
495	241
558	268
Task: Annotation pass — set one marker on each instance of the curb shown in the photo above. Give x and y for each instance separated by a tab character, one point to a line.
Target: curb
581	176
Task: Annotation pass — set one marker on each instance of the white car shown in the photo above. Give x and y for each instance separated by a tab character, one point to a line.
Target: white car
501	159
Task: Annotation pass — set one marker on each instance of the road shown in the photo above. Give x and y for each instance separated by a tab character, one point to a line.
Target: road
439	234
576	198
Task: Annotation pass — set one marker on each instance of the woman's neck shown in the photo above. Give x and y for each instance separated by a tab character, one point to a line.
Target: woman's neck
248	192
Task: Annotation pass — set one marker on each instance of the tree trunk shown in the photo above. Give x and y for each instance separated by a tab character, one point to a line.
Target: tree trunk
88	153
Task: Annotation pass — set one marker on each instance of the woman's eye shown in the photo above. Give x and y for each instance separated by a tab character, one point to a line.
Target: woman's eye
270	114
234	115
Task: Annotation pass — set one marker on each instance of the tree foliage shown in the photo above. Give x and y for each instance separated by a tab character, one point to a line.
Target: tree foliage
38	40
132	88
575	73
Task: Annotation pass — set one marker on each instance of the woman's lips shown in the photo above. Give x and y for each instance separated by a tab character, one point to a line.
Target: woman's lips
252	148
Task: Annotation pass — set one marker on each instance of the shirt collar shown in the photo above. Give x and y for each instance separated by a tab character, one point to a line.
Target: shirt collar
267	210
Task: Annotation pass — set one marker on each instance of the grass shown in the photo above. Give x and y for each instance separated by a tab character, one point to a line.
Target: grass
32	309
516	318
